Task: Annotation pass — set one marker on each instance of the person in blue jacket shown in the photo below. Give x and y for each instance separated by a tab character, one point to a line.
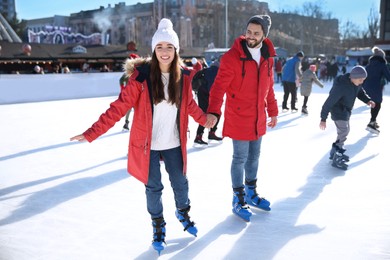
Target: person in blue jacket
292	72
346	88
377	74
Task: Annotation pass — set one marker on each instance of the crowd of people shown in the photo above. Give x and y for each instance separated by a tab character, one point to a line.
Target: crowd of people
159	91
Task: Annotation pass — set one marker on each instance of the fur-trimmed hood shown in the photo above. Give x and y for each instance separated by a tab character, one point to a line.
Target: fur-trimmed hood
130	64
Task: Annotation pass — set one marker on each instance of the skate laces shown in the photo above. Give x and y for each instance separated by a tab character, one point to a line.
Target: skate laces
185	218
241	200
159	230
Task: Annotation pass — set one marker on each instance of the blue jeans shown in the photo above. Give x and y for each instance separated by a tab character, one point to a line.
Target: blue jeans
174	166
245	160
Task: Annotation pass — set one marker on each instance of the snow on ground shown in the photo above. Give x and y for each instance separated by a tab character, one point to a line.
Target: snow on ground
69	200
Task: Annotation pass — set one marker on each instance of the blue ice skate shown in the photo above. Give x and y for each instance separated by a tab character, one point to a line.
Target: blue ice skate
158	243
240	208
253	199
184	218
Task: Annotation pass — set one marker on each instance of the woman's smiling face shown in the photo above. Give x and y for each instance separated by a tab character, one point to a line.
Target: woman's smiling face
165	53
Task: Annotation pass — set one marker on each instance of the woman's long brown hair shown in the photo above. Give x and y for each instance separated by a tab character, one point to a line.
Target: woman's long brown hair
174	81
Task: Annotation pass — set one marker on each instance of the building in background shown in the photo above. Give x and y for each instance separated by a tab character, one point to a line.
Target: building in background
7	9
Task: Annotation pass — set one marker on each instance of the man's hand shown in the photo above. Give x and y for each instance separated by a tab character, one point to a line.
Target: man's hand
272	123
211	121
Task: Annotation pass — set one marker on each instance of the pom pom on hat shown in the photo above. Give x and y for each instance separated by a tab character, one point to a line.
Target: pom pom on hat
378	52
165	33
358	72
263	20
194	61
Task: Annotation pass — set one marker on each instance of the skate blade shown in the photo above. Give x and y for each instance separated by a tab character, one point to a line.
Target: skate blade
200	146
373	131
344	167
158	248
262	208
246	218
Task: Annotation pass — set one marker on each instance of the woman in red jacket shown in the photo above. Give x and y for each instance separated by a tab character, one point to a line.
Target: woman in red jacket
160	92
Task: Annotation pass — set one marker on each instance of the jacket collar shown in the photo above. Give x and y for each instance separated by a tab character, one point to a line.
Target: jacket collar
267	50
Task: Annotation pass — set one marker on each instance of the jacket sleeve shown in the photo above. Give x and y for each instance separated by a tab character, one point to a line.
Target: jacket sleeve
335	95
114	113
222	81
298	70
193	109
362	95
272	105
317	81
386	73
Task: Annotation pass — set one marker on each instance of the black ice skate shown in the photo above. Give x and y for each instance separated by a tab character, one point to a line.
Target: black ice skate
373	128
339	162
304	111
126	126
198	142
336	148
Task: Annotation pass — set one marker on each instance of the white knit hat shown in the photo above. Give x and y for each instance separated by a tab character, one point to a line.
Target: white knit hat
165	33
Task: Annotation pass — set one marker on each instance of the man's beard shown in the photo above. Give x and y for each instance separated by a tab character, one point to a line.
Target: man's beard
254	44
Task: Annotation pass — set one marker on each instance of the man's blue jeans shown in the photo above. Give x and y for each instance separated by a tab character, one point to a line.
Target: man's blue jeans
245	161
174	166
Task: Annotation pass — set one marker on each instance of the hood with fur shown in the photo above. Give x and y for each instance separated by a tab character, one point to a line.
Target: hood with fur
130	65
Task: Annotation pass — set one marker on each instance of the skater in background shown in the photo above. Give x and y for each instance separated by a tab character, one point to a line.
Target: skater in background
160	91
377	75
203	93
308	77
122	83
278	70
339	103
291	75
246	76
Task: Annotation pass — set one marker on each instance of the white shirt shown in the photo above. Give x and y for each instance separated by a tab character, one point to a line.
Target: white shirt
256	54
165	134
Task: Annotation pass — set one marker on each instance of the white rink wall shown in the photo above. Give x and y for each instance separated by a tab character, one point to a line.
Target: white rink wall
34	88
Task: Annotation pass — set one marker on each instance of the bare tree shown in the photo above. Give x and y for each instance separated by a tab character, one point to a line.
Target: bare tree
373	24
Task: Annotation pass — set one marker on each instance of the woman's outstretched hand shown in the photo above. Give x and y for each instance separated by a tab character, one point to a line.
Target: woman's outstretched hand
80	138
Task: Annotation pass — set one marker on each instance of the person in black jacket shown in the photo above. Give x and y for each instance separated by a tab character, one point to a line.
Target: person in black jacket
377	75
202	93
339	103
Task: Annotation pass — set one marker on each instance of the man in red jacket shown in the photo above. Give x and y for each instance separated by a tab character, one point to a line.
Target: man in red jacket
246	77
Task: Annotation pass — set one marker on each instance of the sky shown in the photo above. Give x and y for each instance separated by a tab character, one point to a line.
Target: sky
344	10
68	200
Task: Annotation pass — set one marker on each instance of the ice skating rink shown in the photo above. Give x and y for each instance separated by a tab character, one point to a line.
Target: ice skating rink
62	200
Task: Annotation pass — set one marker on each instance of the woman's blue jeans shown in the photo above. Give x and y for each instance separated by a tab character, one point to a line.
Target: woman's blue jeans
173	161
245	161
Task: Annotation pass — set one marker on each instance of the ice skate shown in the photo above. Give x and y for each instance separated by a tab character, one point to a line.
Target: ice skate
372	128
304	111
253	199
240	207
126	126
339	162
184	218
198	142
158	243
212	136
336	148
